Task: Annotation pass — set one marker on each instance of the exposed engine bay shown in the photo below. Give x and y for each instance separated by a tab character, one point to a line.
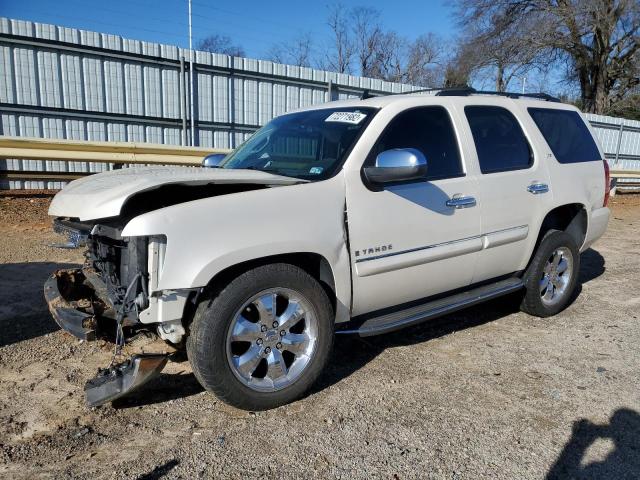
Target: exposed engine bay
118	279
114	275
105	299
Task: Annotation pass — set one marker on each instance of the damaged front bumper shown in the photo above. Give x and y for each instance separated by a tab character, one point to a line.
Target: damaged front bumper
73	303
79	304
119	380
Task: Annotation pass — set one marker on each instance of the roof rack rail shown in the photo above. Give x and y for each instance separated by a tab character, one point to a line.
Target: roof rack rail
542	96
456	92
463	92
367	94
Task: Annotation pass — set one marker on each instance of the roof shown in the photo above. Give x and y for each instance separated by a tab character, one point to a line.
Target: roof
431	97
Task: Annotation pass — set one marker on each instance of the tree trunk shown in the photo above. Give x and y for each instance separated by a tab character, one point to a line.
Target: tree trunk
586	91
500	79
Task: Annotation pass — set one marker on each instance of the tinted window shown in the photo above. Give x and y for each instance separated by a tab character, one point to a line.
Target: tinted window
429	130
567	135
499	140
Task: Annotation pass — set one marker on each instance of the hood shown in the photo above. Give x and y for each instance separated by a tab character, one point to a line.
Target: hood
103	195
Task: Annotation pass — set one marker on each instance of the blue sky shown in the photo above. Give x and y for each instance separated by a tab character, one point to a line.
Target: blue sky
256	25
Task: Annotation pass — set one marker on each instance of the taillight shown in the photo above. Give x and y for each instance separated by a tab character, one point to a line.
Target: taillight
607	183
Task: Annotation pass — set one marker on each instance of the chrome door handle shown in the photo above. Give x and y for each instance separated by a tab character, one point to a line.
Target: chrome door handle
538	188
461	202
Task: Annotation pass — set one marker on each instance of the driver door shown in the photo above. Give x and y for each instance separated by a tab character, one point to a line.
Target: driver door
408	241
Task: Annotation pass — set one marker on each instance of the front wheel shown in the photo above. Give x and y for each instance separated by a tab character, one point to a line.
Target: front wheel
552	276
263	339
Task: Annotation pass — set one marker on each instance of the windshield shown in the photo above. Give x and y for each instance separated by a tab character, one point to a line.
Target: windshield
309	145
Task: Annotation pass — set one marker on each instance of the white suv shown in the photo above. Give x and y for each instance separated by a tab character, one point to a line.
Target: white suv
353	217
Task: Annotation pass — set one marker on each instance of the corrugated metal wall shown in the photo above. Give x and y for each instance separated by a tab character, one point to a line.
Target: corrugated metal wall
58	82
620	139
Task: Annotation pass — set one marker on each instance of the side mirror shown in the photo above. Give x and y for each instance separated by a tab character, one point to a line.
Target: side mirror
397	165
214	160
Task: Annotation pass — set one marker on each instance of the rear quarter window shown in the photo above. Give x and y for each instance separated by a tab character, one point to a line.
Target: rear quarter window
567	135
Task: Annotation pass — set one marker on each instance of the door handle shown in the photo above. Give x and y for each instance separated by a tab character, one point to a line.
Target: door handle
538	188
460	201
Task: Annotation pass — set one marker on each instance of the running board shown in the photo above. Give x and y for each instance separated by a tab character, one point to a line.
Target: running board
433	309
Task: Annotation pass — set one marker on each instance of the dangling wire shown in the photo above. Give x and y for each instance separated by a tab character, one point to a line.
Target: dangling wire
117	351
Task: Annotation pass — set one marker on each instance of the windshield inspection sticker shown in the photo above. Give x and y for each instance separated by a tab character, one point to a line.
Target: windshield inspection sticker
346	117
316	170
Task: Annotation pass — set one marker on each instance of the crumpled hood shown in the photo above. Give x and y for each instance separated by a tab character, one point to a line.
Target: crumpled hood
103	195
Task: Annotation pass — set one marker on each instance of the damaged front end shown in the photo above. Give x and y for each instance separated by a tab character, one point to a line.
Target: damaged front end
113	296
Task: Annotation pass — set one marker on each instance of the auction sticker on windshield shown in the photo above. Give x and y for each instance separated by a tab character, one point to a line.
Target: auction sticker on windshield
346	117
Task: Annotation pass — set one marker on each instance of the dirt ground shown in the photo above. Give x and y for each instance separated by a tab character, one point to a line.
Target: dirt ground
488	392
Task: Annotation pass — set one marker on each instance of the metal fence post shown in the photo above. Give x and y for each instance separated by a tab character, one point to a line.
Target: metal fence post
620	132
232	103
182	93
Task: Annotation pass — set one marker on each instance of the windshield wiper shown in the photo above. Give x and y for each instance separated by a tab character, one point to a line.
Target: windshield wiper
268	170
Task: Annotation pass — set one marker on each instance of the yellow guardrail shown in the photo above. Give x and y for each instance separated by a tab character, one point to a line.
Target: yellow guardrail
624	174
102	152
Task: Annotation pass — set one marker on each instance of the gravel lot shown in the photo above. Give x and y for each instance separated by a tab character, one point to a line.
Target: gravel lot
485	393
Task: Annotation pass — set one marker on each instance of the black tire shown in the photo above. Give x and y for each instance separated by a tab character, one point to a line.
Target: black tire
207	341
532	302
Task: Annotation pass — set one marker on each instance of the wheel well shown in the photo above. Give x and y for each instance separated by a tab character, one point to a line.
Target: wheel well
314	264
571	218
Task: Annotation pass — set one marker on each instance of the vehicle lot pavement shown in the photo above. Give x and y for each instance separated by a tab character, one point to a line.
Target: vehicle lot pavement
488	392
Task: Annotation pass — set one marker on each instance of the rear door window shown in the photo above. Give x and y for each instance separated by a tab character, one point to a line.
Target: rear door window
567	135
500	142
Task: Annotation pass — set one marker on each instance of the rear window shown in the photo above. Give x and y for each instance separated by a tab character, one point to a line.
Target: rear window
567	135
500	142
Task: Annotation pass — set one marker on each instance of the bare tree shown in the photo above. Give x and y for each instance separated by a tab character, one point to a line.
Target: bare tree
298	51
359	38
388	60
497	46
367	33
598	39
340	56
220	44
424	65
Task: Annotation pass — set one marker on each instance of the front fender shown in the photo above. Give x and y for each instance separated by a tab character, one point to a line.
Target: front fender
209	235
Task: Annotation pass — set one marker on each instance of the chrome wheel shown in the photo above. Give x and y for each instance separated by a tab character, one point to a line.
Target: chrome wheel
556	276
272	339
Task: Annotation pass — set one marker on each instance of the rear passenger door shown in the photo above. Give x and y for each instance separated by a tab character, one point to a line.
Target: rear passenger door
514	192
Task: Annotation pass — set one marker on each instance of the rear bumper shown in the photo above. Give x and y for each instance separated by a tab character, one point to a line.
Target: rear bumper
598	221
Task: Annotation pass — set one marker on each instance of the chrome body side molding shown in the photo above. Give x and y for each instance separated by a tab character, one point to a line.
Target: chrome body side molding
417	256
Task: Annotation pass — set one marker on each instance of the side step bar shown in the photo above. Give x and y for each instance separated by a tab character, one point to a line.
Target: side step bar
436	308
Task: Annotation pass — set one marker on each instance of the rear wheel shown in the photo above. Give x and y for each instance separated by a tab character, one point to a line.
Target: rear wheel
262	340
552	276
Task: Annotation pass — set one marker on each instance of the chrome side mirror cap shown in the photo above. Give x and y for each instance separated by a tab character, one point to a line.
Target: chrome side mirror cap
213	160
397	165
